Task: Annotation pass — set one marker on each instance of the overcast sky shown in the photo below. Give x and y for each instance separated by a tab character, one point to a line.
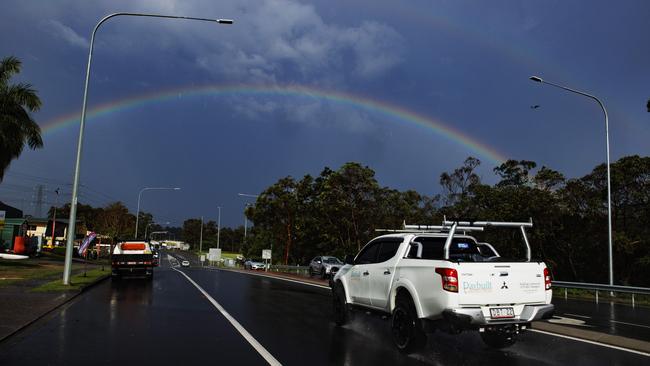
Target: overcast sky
319	83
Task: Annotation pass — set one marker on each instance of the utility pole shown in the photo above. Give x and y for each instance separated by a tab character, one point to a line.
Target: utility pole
38	209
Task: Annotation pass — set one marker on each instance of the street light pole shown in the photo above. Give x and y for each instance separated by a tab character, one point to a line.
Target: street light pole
245	218
609	180
137	213
201	238
75	182
153	223
218	227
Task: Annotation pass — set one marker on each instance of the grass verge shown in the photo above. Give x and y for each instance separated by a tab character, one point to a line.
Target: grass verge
12	272
77	282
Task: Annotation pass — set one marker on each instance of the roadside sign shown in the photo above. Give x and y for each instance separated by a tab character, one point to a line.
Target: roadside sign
266	254
214	255
203	258
86	243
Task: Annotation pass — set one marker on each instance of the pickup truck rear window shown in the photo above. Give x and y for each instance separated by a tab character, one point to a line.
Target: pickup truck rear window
462	249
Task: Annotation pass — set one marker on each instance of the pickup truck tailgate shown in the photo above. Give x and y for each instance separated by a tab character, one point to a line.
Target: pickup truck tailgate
500	283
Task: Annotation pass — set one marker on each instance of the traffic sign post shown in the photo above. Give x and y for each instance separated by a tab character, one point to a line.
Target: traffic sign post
214	255
266	255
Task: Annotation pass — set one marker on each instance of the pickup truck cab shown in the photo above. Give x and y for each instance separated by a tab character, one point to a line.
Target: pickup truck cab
132	258
437	277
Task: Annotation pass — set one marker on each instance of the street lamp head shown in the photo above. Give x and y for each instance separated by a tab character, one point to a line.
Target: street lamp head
224	21
536	78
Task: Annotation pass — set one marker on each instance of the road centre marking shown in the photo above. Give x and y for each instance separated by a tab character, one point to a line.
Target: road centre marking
253	342
591	342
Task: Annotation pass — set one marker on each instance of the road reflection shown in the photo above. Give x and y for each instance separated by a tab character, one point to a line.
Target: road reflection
126	299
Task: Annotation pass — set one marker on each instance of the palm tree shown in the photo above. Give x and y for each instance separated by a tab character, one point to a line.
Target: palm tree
17	128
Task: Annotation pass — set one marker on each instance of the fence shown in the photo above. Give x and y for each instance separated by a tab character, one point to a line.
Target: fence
596	287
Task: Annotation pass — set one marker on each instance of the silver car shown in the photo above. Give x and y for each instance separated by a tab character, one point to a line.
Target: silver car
251	264
324	266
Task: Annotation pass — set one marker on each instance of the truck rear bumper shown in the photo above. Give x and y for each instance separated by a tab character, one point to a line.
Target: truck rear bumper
135	271
474	318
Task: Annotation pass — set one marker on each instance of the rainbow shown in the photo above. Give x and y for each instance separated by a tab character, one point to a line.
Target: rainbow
387	109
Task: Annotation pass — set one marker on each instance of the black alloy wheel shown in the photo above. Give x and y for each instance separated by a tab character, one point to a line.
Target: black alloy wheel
340	306
406	327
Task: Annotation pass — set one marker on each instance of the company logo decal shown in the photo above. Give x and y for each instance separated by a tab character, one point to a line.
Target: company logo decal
477	287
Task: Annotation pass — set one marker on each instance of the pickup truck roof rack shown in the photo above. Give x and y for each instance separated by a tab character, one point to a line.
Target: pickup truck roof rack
450	227
428	229
482	224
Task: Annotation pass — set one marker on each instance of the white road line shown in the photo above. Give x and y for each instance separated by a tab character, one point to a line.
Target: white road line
277	278
611	321
591	342
579	316
632	324
253	342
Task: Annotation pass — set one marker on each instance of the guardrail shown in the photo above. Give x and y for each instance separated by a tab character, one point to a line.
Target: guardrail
596	287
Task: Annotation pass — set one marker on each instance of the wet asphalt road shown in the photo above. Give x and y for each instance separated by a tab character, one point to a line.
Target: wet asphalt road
169	322
618	319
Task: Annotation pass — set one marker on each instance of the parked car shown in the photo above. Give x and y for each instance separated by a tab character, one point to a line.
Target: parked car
185	263
251	264
324	266
429	279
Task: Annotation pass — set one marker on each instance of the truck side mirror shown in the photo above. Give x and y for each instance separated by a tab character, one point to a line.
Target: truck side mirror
349	259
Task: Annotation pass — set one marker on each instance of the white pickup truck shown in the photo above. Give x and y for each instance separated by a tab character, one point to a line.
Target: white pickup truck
437	277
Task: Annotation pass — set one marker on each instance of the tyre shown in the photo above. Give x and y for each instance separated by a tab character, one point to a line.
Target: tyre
340	306
498	338
323	275
406	327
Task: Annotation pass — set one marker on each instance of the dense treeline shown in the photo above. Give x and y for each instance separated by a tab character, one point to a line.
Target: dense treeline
337	213
113	220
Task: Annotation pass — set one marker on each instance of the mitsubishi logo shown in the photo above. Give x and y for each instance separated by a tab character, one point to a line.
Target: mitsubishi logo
504	287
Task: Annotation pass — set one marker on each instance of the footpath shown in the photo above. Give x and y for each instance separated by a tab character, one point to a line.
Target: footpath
21	305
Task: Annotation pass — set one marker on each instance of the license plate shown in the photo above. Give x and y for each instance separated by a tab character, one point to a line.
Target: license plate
497	313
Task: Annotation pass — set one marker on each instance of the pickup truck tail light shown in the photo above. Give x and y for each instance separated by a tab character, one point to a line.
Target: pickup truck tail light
547	279
449	279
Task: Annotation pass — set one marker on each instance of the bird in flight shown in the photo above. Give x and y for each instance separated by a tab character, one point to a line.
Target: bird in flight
534	106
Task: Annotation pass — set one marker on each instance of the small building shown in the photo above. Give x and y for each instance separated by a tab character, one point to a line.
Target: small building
36	229
12	226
